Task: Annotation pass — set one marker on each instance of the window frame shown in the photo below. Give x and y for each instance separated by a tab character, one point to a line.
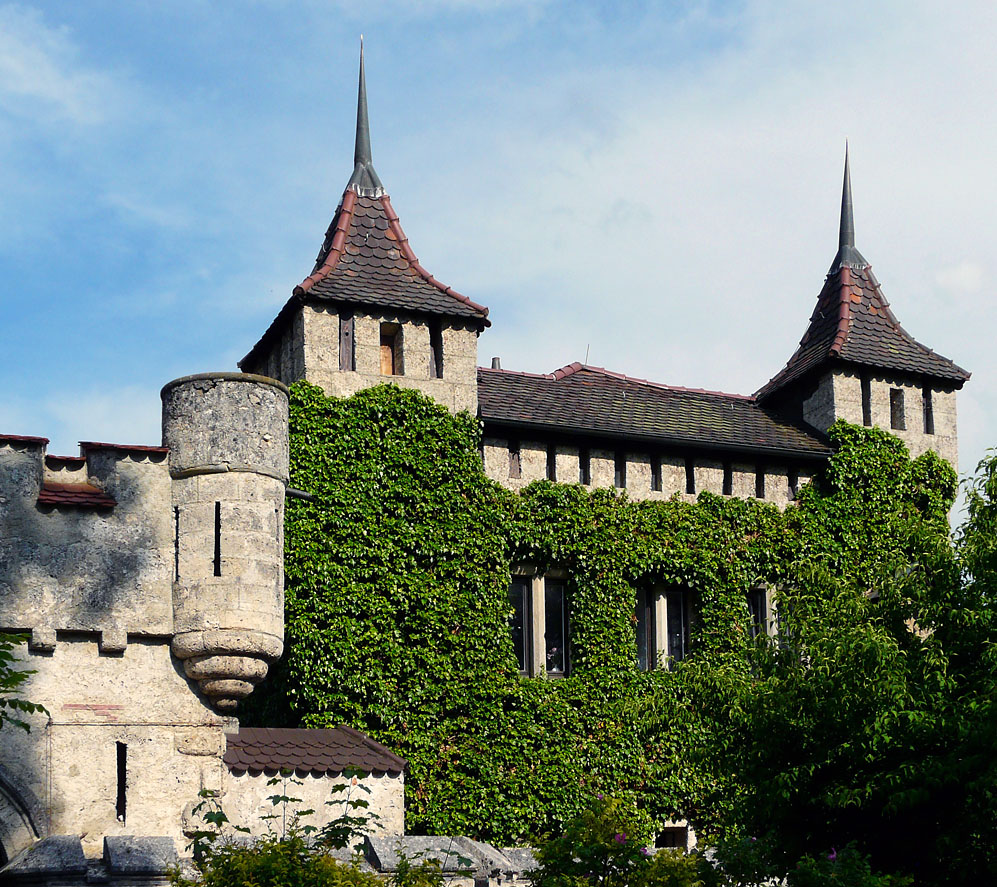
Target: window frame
535	619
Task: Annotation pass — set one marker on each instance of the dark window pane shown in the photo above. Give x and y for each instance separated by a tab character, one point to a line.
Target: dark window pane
677	605
551	462
929	410
866	401
584	474
556	628
656	473
728	487
760	482
898	420
515	469
690	476
645	630
758	612
519	621
620	470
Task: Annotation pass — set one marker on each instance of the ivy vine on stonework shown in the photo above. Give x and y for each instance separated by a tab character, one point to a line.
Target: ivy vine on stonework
397	608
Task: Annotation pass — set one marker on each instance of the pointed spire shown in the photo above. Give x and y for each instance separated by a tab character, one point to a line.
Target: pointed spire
847	253
364	180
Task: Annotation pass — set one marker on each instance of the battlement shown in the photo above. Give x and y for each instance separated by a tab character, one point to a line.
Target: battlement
85	543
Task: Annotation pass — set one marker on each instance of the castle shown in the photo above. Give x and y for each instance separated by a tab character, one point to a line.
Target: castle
150	578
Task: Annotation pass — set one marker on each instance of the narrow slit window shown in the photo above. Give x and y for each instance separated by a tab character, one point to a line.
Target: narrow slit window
898	421
347	352
584	467
435	351
122	771
794	483
728	488
644	620
690	476
866	401
929	410
520	621
515	462
656	473
555	628
760	482
218	539
391	350
678	624
551	462
620	470
176	543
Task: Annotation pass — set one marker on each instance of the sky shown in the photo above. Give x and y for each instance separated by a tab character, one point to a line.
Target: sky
655	185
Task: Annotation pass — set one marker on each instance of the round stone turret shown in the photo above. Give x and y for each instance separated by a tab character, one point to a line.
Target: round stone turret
228	440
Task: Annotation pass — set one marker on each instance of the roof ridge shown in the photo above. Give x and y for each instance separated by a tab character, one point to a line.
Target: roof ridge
341	224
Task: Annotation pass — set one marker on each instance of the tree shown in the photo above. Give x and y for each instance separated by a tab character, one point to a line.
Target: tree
12	680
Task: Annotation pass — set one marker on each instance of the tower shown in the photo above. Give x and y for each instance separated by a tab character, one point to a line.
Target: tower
368	312
227	438
855	361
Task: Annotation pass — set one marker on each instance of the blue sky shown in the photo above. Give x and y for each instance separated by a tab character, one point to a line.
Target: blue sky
657	183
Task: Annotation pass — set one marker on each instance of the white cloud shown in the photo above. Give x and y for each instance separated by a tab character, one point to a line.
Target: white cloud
961	279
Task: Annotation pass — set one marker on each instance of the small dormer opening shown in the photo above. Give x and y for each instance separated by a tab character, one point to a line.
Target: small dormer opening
391	350
866	401
929	410
435	351
898	420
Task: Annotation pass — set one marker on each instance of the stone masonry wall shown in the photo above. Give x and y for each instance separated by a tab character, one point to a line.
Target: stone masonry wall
709	474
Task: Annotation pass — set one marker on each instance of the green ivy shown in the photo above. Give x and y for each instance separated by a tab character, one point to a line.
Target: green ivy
397	608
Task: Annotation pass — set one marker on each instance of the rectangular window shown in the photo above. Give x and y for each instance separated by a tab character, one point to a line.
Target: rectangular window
690	476
515	465
898	421
391	350
728	479
347	352
555	628
644	619
866	401
520	621
122	773
760	482
620	470
929	410
673	838
551	462
584	467
656	473
793	480
678	624
435	351
758	612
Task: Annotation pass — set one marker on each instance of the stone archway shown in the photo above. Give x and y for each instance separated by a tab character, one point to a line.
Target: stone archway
22	817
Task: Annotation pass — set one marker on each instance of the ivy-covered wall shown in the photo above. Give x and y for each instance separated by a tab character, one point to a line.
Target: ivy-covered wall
397	607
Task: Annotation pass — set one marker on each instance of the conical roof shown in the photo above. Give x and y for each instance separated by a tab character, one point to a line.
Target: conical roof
853	323
366	259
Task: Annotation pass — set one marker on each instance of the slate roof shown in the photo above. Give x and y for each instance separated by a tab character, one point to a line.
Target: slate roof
592	401
270	750
74	495
853	323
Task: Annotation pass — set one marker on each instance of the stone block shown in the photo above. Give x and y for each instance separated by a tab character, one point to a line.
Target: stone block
57	856
139	855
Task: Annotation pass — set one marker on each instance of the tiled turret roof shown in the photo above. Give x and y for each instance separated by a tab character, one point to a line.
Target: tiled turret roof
853	323
592	401
271	750
366	259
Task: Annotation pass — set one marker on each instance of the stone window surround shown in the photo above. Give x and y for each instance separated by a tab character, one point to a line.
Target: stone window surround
535	613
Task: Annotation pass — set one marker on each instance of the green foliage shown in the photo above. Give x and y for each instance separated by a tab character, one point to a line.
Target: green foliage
397	609
12	679
606	845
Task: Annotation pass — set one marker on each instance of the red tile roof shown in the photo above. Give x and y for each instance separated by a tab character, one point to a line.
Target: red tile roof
74	496
20	438
270	750
592	401
853	323
124	448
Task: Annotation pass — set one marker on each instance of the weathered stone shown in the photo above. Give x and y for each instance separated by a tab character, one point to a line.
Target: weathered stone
131	855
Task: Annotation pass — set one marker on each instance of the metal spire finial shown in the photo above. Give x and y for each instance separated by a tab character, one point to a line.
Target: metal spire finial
364	180
847	254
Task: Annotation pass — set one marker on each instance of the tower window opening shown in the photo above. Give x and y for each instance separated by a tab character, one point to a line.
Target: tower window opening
347	351
794	483
515	462
551	462
760	482
620	470
866	401
218	539
690	476
391	350
176	543
728	488
898	421
122	767
435	351
929	410
584	467
656	474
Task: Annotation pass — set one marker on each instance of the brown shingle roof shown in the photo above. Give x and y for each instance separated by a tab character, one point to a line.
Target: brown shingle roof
270	750
853	323
593	401
74	495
